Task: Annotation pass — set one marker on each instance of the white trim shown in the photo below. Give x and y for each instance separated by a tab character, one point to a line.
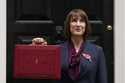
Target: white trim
119	33
2	41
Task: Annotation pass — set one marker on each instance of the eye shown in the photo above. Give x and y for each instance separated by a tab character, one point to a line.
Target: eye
82	20
73	20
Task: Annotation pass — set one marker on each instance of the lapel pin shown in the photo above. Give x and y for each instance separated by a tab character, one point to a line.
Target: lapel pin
87	56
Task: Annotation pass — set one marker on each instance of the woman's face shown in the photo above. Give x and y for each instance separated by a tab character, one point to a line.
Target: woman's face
77	26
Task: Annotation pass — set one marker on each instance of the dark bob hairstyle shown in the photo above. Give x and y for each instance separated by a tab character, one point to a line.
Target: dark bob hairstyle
76	13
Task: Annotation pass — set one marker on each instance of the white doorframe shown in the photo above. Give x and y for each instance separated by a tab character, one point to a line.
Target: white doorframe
119	39
2	41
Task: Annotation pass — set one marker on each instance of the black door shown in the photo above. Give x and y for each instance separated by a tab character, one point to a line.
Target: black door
27	19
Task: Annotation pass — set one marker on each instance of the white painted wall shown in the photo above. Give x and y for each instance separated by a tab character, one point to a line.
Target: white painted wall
119	34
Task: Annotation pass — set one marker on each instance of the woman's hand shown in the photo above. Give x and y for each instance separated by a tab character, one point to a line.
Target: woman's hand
39	41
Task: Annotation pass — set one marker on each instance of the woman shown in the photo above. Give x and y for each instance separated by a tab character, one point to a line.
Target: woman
82	62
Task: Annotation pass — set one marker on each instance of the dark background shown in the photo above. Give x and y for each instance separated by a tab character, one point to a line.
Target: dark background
27	19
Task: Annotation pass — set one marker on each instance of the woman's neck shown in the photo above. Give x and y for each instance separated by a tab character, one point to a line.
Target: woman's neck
77	41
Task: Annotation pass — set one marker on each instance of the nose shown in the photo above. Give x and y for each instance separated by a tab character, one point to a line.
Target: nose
78	23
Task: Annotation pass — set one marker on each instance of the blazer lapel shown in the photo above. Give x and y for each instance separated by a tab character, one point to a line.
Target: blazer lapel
65	56
84	62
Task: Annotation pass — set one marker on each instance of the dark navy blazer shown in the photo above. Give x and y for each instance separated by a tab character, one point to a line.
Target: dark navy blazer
91	71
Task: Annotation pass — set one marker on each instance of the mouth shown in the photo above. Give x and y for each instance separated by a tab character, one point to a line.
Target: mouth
78	29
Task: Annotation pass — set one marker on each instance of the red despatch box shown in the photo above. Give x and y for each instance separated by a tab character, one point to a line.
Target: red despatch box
37	62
